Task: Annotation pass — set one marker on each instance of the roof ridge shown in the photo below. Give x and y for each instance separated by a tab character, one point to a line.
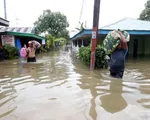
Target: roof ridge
18	29
114	23
123	20
141	20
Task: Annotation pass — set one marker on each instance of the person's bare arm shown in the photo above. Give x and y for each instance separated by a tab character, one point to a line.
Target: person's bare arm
27	49
34	46
123	40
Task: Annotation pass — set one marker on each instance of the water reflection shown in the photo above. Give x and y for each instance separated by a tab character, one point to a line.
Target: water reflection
113	101
61	87
87	82
105	93
109	93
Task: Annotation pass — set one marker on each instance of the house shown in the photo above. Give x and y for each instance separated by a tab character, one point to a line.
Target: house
139	31
4	22
18	36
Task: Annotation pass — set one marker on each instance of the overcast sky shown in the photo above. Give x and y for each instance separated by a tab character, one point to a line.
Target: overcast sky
27	11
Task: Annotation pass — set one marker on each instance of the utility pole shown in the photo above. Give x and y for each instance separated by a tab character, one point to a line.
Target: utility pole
5	12
94	32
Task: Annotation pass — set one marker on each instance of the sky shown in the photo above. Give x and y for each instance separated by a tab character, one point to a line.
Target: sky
23	13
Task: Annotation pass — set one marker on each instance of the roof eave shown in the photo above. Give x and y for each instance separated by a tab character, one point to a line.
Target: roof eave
4	22
25	35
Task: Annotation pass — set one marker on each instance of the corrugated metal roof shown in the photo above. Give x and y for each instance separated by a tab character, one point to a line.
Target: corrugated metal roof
17	29
129	24
25	35
4	22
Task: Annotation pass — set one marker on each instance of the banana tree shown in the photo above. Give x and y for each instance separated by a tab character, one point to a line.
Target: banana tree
81	27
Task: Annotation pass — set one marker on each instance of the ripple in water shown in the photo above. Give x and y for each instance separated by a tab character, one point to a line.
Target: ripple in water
59	87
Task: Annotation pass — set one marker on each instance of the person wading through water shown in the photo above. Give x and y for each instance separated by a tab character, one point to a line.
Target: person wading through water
31	52
117	60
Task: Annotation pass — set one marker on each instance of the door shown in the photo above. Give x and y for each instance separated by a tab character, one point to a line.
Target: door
18	45
135	48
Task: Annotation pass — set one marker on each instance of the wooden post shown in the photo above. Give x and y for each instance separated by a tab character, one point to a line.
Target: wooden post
94	32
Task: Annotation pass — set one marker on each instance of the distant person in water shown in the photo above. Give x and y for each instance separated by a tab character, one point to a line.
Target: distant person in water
117	61
23	52
31	52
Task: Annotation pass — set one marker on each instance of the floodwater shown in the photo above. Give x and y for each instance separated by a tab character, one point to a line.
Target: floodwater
59	87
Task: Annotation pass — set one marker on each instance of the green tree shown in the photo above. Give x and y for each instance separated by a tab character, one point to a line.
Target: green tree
53	23
145	14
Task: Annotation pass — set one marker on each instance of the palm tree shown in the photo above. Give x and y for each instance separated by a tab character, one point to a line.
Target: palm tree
81	27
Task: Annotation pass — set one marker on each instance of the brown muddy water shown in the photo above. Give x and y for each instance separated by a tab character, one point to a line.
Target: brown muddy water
59	87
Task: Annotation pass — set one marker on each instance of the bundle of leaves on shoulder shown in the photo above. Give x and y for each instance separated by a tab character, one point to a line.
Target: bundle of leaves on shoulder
10	52
100	56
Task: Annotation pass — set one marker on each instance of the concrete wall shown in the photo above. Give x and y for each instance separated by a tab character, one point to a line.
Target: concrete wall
130	47
101	38
147	45
143	45
86	41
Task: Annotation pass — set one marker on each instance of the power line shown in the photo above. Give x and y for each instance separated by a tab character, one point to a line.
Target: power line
81	11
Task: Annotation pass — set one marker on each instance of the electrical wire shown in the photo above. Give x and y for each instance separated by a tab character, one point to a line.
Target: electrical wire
81	11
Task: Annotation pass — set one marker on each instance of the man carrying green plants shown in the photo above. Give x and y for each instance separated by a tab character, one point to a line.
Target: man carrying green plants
117	61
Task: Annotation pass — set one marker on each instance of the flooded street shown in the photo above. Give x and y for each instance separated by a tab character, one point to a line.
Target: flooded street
59	87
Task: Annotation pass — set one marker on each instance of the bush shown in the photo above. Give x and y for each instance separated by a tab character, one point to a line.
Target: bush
10	52
84	55
100	56
42	49
101	59
50	41
62	41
